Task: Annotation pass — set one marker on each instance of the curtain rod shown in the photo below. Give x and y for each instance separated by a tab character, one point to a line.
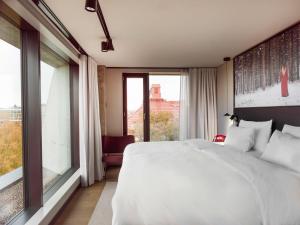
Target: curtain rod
55	22
179	68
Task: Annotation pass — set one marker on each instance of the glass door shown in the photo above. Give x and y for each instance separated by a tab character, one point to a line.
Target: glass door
135	106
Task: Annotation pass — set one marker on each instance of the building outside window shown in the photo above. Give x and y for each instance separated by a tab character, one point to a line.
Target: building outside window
56	119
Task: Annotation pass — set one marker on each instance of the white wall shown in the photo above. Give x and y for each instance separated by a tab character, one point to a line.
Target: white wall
224	95
114	96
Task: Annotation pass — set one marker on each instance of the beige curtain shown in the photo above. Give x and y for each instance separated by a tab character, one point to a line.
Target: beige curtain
198	114
89	123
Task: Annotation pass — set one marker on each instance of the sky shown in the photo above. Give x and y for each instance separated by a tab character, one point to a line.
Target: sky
10	79
10	76
170	89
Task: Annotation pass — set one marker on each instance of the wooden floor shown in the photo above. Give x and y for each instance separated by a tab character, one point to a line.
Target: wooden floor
80	207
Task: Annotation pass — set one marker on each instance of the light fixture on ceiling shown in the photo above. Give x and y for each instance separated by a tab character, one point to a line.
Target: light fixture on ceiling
227	59
107	46
91	5
94	6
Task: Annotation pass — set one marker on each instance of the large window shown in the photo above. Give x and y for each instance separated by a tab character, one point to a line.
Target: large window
11	176
56	116
39	131
151	106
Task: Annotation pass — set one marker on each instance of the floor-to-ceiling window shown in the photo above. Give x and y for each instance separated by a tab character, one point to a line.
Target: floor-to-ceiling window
11	154
39	131
151	106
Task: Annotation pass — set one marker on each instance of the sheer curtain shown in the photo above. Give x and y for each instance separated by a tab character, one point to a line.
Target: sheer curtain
184	106
89	123
198	104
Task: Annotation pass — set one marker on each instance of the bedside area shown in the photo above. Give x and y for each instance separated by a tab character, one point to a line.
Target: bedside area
219	139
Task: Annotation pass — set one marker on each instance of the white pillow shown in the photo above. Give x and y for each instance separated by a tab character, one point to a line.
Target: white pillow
283	149
288	129
240	138
262	133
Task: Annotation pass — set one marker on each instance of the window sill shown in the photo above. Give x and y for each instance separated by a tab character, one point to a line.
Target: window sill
45	214
11	178
58	184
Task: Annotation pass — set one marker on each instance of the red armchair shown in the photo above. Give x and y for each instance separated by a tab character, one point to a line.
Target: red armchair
113	148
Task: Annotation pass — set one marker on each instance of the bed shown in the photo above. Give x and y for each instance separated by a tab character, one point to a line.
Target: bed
196	182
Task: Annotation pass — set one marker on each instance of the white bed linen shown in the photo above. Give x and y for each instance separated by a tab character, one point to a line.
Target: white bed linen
200	183
262	132
254	153
240	138
291	130
283	149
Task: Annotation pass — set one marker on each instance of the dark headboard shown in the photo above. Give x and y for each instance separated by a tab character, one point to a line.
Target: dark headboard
280	115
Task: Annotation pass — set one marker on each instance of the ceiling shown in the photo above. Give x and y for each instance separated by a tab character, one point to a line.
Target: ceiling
175	33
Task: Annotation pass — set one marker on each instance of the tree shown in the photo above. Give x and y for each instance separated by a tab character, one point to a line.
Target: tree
163	126
10	146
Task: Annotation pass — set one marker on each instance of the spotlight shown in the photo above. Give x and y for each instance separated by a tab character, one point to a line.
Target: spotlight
90	5
107	46
104	46
226	59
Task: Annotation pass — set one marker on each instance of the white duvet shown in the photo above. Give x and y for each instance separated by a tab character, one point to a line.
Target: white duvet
200	183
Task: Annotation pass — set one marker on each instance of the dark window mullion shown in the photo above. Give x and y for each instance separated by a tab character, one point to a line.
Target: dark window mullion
125	116
146	116
74	95
32	132
146	108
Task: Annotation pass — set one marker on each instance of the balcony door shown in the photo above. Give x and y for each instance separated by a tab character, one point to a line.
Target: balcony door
136	106
151	106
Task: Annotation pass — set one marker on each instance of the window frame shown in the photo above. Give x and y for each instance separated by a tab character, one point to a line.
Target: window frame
74	129
146	101
31	118
145	77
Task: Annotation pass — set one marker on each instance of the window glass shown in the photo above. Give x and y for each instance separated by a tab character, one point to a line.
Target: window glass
164	107
11	154
135	108
55	107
